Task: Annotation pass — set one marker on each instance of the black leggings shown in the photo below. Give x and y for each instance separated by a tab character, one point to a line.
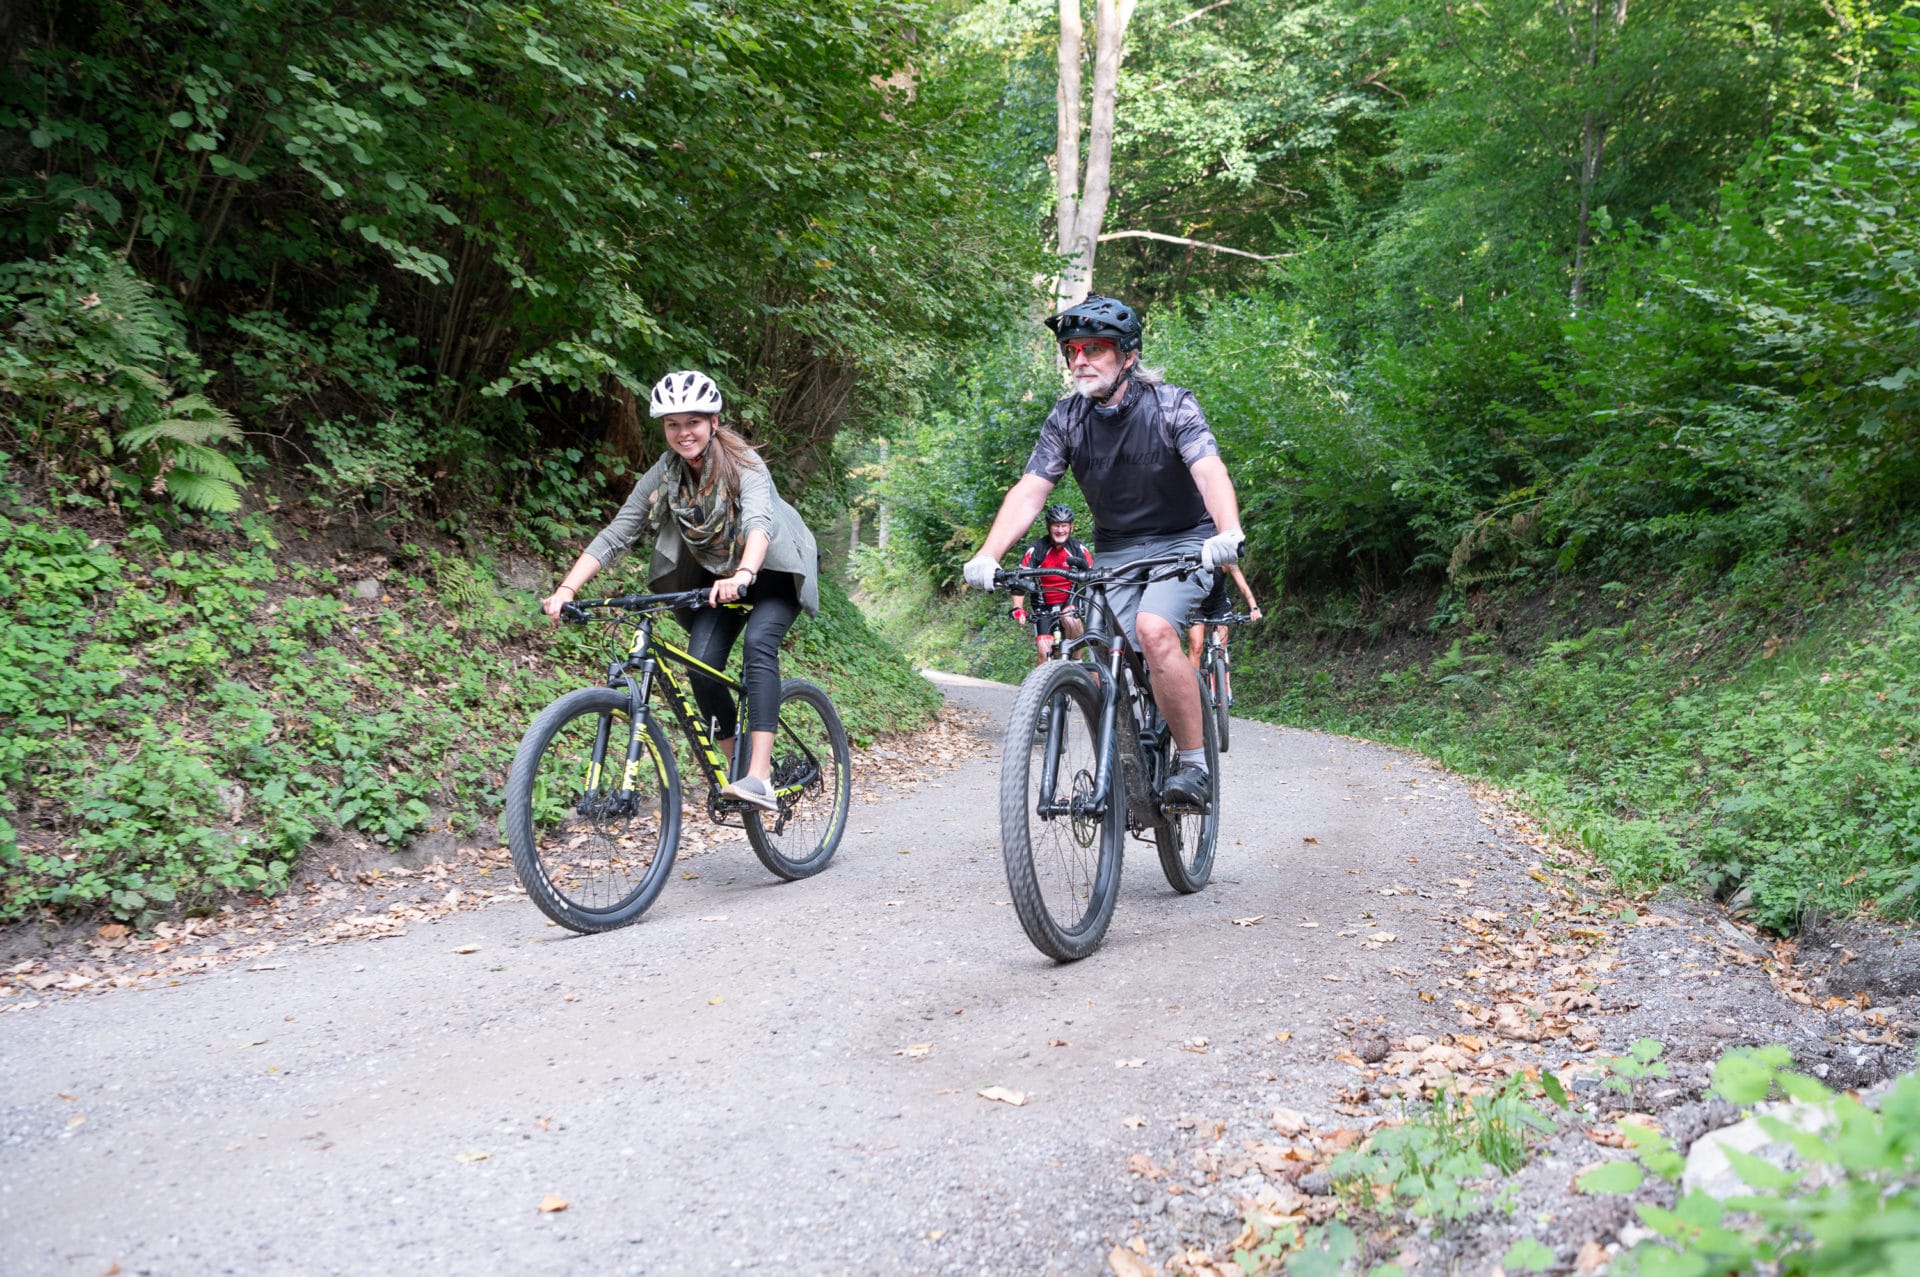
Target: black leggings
773	603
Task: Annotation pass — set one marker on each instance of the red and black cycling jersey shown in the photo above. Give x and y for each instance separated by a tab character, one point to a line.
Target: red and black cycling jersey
1054	590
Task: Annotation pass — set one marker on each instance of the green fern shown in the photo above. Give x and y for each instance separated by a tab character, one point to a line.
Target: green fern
461	586
176	456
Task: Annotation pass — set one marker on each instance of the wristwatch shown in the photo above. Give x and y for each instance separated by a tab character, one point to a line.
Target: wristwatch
752	576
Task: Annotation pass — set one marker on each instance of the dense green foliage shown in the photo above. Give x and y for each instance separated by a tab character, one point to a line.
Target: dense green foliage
410	244
1758	735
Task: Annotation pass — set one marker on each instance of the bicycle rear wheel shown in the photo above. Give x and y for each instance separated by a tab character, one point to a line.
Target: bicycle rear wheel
1185	839
1219	695
592	851
813	777
1062	859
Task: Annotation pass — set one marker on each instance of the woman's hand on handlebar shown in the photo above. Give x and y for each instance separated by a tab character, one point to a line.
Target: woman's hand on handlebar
552	604
728	589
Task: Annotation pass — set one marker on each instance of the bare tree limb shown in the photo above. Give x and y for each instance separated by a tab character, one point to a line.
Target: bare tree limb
1193	243
1197	12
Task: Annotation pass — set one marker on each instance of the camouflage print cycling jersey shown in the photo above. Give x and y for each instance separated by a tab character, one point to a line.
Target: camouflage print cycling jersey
1133	461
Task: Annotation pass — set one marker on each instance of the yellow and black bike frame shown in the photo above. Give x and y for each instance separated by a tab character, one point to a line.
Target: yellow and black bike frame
639	672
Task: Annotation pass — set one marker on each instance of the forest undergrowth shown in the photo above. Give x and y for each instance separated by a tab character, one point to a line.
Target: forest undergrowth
193	705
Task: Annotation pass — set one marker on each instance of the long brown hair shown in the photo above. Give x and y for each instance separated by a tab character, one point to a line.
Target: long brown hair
730	453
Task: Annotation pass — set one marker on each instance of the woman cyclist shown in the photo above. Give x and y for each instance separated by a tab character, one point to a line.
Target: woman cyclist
718	525
1215	604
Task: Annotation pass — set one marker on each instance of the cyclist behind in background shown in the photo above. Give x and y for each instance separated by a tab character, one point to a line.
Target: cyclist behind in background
1216	605
1148	465
1054	595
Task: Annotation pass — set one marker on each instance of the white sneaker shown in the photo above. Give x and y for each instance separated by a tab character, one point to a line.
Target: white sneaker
752	789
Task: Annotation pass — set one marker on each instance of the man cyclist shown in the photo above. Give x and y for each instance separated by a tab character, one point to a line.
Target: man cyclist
1148	465
1054	595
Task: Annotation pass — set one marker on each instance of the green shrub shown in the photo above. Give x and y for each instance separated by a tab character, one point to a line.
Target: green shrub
1852	1206
87	382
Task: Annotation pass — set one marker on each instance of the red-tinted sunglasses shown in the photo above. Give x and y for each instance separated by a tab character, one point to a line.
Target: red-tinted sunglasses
1092	348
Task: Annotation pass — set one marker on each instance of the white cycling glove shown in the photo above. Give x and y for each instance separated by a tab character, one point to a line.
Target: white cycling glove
979	571
1221	549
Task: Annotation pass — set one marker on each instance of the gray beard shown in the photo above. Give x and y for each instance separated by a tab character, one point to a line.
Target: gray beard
1099	391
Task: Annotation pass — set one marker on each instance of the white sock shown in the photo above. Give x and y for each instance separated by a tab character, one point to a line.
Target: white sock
1194	758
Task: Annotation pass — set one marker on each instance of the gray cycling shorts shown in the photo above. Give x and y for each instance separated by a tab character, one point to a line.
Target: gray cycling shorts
1174	599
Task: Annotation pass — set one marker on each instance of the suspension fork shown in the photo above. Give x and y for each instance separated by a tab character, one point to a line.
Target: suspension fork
638	690
1110	693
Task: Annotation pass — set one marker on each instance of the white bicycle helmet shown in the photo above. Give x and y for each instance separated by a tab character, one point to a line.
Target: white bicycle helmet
684	392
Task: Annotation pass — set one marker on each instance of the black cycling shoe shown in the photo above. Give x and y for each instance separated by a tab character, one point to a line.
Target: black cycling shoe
1188	787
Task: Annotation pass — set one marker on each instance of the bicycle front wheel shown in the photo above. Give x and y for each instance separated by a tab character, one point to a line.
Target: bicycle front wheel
813	780
1185	839
1220	695
592	839
1062	856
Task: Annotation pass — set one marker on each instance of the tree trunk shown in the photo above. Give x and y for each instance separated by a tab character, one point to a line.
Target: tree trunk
1109	42
1593	142
1066	151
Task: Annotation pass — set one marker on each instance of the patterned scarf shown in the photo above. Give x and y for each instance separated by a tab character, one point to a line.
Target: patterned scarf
709	520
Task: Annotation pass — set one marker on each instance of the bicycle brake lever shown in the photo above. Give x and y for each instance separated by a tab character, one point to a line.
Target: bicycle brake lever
571	611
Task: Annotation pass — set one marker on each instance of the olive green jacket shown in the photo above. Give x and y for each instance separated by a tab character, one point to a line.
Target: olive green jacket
790	546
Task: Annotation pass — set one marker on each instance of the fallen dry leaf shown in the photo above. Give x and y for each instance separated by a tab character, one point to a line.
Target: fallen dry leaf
1247	922
553	1203
472	1155
1383	937
1056	1041
935	1234
1142	1165
915	1050
1126	1264
1284	1035
1133	1121
716	999
468	948
1003	1095
1289	1121
78	1119
1315	841
1129	1064
718	917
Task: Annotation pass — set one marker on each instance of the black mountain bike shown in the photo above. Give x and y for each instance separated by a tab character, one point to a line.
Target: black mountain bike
593	800
1216	677
1070	791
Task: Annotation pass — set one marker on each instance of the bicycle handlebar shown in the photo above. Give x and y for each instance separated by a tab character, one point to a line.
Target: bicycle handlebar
1166	565
580	611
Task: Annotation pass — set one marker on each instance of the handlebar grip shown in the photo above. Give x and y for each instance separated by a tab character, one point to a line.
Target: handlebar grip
571	611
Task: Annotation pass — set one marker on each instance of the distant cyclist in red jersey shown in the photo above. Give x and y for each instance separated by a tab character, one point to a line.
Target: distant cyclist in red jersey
1057	549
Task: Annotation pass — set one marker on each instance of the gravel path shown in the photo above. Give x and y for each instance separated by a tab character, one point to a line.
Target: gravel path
728	1086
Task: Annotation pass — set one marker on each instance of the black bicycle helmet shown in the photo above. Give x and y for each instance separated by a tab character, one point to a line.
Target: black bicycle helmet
1059	513
1098	316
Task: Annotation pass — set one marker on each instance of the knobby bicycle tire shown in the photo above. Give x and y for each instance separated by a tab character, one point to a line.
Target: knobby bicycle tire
812	763
590	861
1063	871
1219	696
1186	841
